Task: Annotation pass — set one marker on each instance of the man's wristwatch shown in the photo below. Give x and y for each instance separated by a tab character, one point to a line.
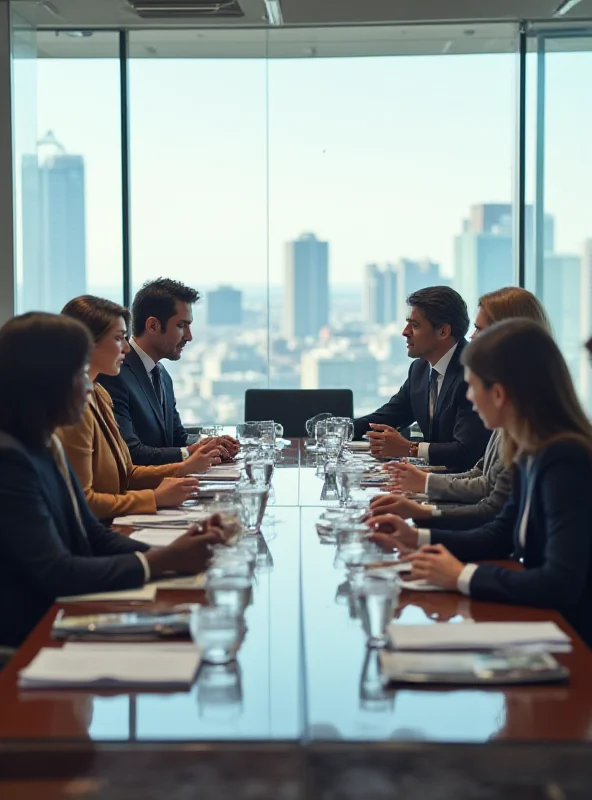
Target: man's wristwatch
184	453
413	450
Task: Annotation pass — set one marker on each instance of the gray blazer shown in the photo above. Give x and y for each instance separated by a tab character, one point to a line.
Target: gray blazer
482	491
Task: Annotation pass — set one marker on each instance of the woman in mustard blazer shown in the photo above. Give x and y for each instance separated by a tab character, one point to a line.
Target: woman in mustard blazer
95	448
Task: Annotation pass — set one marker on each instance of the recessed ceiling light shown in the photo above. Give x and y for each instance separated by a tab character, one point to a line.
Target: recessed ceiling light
79	34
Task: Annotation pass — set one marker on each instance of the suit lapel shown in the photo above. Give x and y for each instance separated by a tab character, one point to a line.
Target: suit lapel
111	440
450	377
420	399
132	360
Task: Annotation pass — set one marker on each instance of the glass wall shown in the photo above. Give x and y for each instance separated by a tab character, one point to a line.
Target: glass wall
306	181
199	209
559	234
68	173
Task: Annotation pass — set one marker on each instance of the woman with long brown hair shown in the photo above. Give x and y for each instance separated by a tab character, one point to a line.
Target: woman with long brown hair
519	382
50	543
477	496
99	455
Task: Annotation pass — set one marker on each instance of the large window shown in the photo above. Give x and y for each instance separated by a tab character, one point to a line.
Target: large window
68	172
560	176
306	182
199	214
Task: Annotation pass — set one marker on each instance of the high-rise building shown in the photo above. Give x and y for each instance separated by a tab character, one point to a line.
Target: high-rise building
484	251
54	227
563	299
307	287
341	367
225	306
380	294
412	276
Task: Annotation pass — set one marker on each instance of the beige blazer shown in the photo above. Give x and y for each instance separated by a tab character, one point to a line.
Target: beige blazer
101	460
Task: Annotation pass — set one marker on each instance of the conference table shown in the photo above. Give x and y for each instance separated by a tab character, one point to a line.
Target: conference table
302	713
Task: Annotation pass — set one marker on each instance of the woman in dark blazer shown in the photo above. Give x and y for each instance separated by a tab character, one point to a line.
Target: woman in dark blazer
519	382
51	545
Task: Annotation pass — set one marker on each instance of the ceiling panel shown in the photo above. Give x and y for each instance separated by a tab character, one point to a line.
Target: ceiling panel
117	13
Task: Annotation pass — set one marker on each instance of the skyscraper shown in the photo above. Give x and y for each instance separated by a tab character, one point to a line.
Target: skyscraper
414	275
307	287
565	303
225	306
380	294
484	251
54	229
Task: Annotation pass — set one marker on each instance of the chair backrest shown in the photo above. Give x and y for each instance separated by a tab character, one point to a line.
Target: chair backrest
292	407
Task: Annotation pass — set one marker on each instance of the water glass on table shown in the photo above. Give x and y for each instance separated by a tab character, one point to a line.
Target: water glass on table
258	468
376	599
229	585
253	500
333	444
217	632
311	429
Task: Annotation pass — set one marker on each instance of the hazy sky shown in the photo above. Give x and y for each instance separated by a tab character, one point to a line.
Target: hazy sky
380	156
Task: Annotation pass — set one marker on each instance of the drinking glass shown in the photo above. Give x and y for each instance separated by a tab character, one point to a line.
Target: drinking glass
219	691
229	586
377	601
208	431
320	431
217	632
253	500
248	434
333	444
239	553
230	514
310	427
347	424
270	430
310	424
258	470
350	479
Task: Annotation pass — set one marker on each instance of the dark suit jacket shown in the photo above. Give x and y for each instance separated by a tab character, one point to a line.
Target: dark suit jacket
457	436
152	437
43	553
558	551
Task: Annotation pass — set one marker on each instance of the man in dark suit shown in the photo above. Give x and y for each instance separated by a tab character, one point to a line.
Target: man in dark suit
143	395
434	394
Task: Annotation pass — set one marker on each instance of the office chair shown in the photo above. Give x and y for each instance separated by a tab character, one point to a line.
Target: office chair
292	407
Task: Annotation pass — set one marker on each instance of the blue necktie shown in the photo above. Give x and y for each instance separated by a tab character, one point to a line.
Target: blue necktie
157	383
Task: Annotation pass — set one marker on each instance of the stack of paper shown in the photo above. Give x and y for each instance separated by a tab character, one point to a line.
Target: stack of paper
219	472
170	665
360	447
144	594
175	517
480	636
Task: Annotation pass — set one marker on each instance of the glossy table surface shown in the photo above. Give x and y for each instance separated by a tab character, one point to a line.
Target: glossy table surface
304	674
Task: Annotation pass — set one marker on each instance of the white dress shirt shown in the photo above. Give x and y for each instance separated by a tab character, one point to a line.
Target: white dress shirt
148	363
463	584
441	366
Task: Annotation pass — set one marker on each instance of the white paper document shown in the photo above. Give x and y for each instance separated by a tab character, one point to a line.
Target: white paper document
157	537
145	594
421	585
182	518
479	636
219	472
117	665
